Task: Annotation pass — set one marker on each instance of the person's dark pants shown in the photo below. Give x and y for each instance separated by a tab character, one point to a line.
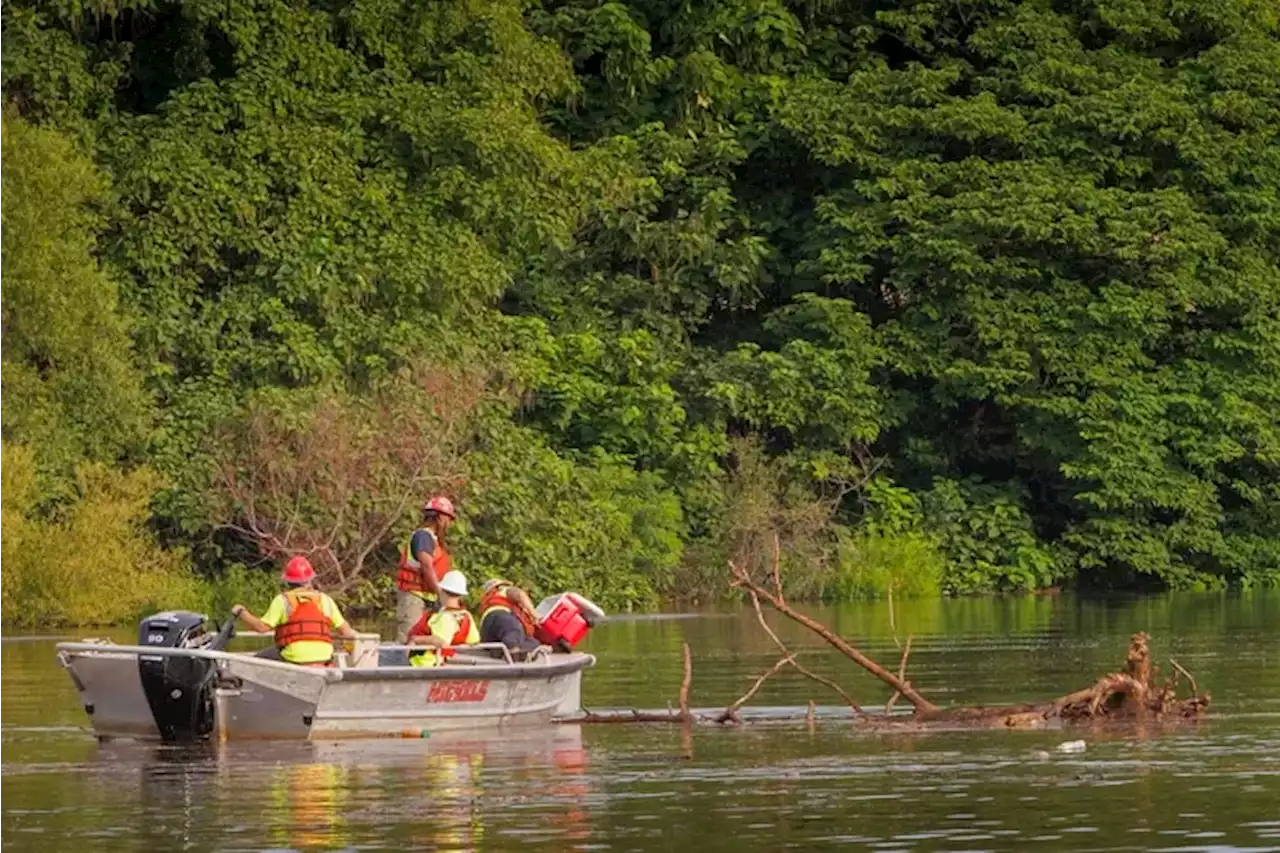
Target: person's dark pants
502	626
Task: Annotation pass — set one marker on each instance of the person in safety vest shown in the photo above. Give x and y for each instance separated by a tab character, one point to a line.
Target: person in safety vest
423	561
442	629
302	617
507	616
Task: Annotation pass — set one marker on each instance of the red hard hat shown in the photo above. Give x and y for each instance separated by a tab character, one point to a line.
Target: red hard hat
298	570
440	504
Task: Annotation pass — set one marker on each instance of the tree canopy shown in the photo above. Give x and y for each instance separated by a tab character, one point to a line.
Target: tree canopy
1008	270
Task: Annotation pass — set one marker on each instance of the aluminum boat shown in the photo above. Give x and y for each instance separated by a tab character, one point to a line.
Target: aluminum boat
181	684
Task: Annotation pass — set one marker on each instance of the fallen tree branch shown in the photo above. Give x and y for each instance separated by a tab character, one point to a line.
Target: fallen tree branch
743	581
730	714
623	716
1128	693
902	675
852	703
684	684
1195	691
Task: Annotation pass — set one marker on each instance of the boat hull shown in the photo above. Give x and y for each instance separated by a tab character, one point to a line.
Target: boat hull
255	698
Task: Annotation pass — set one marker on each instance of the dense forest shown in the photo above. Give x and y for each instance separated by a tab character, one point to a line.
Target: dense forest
950	295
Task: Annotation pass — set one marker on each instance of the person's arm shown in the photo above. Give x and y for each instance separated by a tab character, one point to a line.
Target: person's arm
242	613
340	623
423	544
429	579
523	601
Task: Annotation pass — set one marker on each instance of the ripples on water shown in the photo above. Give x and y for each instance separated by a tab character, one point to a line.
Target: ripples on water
1214	786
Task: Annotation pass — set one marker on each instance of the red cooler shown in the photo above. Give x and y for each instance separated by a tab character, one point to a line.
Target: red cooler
566	618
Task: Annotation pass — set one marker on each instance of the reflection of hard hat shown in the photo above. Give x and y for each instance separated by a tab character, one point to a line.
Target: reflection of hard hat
440	504
454	583
298	570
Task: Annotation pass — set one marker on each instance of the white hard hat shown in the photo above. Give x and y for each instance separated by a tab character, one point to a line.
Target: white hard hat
454	583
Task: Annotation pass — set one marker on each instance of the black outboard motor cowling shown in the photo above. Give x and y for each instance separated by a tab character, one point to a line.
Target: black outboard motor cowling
179	689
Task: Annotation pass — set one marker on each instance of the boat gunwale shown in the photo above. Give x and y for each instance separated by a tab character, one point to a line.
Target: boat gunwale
574	662
496	671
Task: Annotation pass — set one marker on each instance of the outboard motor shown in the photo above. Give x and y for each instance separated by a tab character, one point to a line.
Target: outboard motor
179	689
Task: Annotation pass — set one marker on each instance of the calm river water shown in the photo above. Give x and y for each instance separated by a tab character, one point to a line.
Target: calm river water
767	786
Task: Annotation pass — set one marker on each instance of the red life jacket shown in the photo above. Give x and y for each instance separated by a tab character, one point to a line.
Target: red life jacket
496	599
422	628
410	577
305	620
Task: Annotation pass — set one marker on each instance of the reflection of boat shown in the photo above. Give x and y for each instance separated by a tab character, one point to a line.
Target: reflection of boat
182	685
456	791
308	806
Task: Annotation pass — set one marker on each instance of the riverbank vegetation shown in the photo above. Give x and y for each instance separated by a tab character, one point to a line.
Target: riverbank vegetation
962	297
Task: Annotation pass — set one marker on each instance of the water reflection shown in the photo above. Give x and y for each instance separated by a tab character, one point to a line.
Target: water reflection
308	806
442	793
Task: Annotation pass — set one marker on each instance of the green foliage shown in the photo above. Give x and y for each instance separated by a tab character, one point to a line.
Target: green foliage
71	389
1078	279
816	384
1002	275
593	525
987	537
766	502
238	584
95	563
615	393
872	565
370	594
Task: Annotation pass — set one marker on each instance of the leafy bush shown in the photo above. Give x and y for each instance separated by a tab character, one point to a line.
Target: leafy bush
987	537
239	584
791	500
594	524
71	389
871	565
94	562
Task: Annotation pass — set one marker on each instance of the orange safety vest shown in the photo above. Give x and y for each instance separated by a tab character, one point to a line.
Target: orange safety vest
496	599
410	577
305	619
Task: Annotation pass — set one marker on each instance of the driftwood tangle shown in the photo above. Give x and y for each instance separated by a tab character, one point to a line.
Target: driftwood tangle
1134	692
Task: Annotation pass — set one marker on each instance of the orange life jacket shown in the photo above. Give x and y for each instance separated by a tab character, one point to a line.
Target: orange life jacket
305	619
496	599
410	577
